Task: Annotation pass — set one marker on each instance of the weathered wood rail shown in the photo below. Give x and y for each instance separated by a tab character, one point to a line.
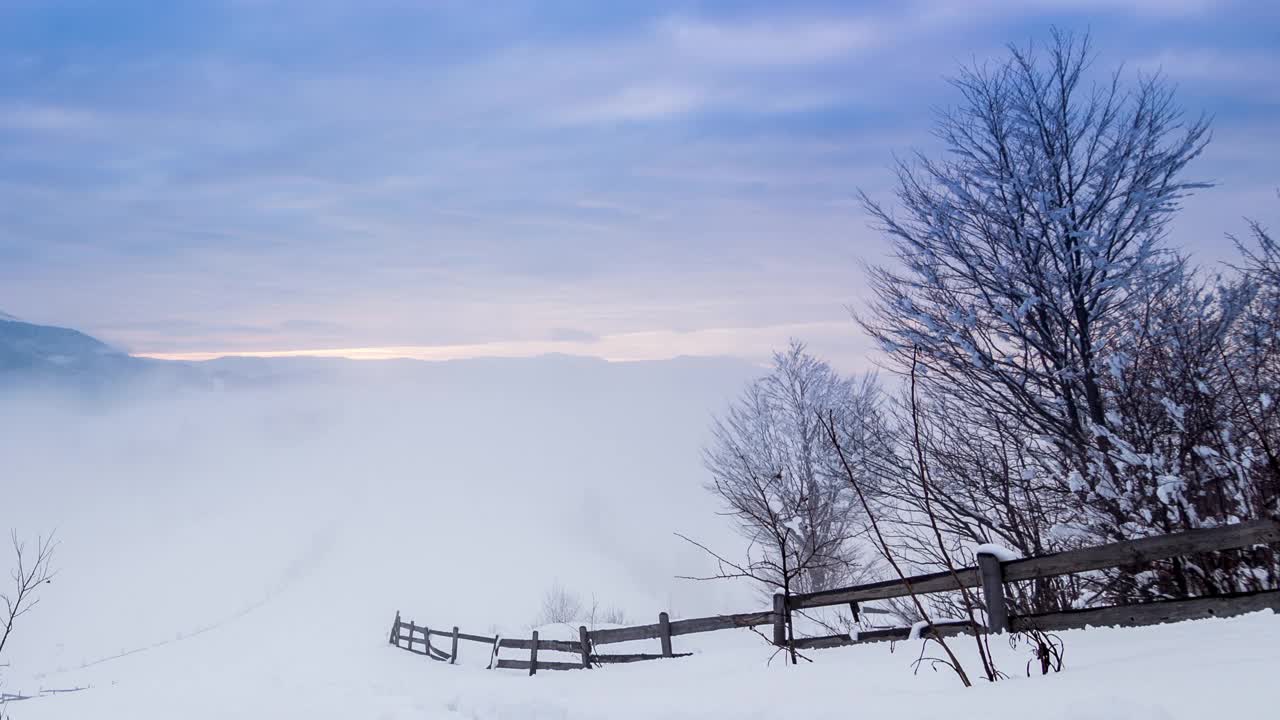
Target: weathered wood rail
991	575
408	634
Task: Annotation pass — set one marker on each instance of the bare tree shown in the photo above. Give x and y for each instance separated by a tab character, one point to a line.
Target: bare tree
761	568
1262	257
1251	358
776	471
773	467
886	550
922	472
31	570
982	486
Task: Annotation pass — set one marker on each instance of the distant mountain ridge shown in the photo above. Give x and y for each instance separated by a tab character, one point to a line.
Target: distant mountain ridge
46	356
31	351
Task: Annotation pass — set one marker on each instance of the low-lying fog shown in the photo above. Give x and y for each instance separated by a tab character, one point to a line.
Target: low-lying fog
327	496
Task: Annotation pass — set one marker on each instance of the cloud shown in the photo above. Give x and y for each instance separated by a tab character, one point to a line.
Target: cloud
678	66
772	42
940	10
637	103
38	117
1215	66
1154	8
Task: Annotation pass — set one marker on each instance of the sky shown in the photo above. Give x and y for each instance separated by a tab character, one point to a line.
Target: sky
455	179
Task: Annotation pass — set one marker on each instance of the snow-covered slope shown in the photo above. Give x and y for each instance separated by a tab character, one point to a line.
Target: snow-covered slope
276	665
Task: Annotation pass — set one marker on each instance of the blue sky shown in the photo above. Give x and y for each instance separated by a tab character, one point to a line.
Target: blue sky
445	179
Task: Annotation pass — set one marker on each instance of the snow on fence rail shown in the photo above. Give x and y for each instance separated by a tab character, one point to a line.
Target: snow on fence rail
991	574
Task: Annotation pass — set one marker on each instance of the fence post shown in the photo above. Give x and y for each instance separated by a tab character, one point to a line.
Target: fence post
426	638
779	619
453	654
993	592
412	629
586	647
493	656
395	630
533	654
664	633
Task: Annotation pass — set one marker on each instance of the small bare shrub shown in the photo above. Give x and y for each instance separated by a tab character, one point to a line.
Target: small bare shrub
559	606
613	615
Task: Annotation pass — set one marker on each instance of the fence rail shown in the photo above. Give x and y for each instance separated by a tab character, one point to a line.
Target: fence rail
1152	613
990	574
681	627
1100	557
406	635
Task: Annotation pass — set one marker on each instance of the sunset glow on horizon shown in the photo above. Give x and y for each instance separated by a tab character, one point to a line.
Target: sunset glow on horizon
749	343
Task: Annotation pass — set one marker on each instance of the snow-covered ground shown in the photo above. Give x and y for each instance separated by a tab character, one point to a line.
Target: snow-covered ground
272	667
241	555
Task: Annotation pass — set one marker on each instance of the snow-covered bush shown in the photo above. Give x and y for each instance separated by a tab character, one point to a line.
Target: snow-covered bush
1181	452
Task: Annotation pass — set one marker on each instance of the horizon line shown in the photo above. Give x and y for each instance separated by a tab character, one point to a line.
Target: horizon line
748	344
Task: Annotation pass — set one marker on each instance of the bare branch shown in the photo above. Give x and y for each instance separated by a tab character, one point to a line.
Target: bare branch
30	571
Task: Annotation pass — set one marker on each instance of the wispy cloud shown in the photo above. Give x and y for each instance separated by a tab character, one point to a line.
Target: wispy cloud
1254	68
1159	9
46	118
771	42
637	103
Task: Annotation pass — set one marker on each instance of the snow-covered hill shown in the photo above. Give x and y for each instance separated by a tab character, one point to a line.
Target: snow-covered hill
42	348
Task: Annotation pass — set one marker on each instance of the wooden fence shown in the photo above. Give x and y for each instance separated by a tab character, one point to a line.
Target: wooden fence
990	574
407	635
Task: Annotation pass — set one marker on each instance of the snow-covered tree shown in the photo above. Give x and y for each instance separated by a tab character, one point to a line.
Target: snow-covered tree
1180	457
772	465
1080	383
1026	252
1022	250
